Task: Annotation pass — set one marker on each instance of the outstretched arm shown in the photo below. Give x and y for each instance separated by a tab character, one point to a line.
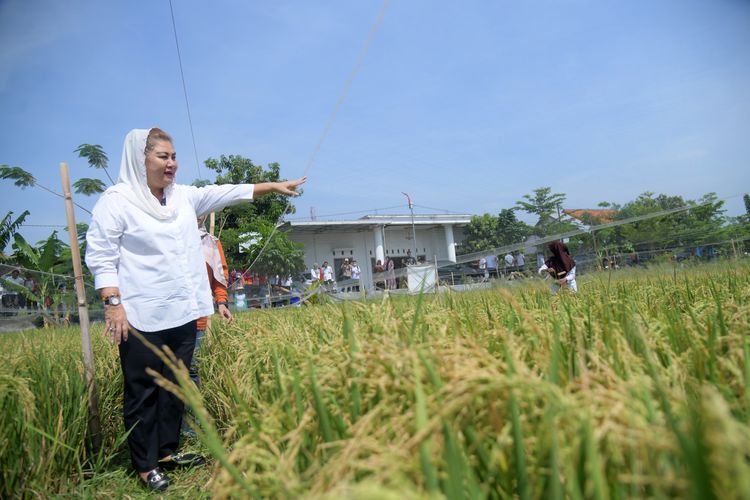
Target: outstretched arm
288	188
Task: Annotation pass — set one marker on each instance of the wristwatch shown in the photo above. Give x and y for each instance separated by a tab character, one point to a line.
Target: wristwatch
112	300
222	303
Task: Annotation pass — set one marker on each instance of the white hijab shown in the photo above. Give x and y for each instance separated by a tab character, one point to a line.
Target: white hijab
132	182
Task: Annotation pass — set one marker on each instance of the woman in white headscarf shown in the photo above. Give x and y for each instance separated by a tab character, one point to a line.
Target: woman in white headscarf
145	253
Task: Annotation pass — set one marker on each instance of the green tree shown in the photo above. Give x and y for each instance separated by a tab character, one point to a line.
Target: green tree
509	229
8	228
486	231
277	255
480	233
96	157
24	179
746	199
703	224
545	205
21	178
51	258
237	223
88	186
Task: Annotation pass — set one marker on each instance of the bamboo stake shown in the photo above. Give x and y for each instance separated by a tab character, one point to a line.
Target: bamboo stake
211	229
94	424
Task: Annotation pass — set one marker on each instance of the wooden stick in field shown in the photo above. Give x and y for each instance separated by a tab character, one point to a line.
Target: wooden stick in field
211	229
83	314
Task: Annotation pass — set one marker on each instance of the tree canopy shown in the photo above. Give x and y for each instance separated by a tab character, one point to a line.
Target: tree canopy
238	223
487	231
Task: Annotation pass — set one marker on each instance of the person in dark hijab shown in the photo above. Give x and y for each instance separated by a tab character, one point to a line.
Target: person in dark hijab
561	267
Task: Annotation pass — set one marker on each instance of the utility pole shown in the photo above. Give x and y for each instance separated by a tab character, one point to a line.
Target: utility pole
413	229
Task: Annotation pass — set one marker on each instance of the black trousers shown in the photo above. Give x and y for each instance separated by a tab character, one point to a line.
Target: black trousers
153	413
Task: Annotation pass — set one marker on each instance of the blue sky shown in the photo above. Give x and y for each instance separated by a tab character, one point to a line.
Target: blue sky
465	105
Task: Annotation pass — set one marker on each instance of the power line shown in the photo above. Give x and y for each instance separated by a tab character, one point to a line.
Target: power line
440	210
347	213
332	117
184	89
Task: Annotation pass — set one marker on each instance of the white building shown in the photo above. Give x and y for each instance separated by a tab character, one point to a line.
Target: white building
375	237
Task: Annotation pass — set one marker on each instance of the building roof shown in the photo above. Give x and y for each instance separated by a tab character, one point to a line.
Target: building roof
370	222
603	214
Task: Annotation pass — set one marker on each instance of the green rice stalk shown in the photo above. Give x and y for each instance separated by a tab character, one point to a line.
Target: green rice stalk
428	469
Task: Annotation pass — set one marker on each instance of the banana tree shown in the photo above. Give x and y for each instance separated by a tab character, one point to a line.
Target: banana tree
50	264
8	228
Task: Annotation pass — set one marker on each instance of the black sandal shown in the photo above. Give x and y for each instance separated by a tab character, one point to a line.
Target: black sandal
182	461
156	480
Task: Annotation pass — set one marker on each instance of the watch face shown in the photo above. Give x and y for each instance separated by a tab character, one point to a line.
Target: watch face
114	301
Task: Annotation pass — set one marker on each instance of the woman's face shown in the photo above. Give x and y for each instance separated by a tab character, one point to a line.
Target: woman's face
161	166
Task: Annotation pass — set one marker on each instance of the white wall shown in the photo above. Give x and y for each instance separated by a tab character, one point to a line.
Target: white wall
319	247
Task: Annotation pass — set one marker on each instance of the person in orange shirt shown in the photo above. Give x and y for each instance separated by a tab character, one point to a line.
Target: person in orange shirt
218	278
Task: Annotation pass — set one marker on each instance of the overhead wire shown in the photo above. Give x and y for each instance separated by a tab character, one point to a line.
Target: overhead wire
440	210
347	213
184	89
331	118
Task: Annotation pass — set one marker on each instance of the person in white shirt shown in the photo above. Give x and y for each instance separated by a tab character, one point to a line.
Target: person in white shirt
561	266
356	273
520	262
510	261
145	253
328	275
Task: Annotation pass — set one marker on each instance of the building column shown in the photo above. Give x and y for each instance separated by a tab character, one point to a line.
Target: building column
450	242
379	252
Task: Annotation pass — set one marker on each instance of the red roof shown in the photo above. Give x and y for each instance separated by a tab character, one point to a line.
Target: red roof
603	214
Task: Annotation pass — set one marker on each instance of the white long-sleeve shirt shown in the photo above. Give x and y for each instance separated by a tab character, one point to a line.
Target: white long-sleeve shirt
158	265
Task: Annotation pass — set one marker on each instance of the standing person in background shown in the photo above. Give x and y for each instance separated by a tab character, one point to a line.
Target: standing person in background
520	261
328	275
356	273
540	259
561	267
234	276
378	271
491	264
410	260
218	279
144	250
30	284
315	273
345	274
483	268
390	273
510	261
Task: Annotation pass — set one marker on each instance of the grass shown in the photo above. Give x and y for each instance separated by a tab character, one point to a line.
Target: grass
635	387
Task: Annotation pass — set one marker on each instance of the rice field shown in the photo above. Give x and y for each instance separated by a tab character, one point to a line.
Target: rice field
637	387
